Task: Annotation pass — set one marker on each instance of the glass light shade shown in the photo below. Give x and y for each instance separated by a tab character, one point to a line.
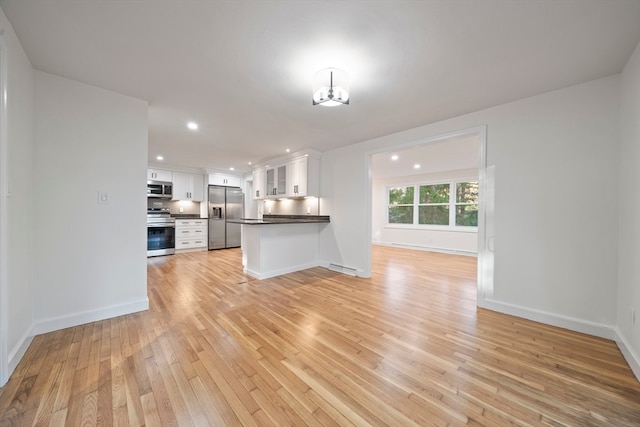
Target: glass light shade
330	88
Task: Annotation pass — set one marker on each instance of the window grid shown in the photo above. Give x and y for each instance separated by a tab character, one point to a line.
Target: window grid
448	204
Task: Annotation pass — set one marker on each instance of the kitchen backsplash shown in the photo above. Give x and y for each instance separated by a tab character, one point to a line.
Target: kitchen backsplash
310	206
192	208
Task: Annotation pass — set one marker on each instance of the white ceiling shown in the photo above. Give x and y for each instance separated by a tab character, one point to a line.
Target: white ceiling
243	69
456	153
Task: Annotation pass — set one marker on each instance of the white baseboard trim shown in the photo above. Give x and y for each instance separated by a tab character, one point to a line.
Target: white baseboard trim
428	249
19	350
55	323
572	324
566	322
278	272
632	358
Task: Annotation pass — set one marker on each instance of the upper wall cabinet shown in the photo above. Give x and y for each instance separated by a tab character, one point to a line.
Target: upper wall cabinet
303	177
276	179
259	184
224	179
159	175
188	186
299	177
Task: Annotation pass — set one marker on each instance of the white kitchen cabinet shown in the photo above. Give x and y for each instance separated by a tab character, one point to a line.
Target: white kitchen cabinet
225	179
191	235
188	186
159	175
259	184
276	180
298	177
303	177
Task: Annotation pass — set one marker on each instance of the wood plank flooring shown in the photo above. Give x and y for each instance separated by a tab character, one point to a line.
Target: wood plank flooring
407	347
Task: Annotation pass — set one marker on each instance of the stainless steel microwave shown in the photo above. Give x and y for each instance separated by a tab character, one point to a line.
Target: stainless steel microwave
159	189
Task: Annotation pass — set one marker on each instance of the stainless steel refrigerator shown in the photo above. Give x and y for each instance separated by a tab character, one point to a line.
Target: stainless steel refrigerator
224	203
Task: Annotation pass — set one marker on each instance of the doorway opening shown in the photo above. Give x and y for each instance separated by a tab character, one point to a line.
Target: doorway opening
433	195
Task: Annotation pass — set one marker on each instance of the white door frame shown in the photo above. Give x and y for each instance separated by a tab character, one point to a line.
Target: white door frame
485	256
5	193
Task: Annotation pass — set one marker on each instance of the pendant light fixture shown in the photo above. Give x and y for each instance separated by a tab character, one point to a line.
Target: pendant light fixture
330	88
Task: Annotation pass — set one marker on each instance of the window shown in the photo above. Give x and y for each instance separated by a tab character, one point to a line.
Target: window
434	204
401	205
452	204
467	203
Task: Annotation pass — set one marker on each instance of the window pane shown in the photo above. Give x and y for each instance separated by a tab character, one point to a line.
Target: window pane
467	192
436	215
467	215
400	214
401	196
434	193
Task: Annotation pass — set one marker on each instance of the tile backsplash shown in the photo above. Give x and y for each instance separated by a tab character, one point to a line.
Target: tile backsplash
310	206
174	206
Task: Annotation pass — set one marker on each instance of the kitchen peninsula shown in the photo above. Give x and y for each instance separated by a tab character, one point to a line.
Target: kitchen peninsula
280	244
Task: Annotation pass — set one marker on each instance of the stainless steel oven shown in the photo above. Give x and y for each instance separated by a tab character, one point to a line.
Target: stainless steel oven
161	234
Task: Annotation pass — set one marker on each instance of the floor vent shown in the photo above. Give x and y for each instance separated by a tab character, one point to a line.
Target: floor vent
342	269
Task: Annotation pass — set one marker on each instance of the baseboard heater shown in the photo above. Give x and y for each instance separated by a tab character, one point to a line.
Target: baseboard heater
433	249
342	269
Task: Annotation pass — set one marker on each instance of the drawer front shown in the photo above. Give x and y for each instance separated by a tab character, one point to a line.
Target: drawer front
191	232
191	223
190	243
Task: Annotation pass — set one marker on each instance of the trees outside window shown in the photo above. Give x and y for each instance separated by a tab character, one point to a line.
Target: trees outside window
401	205
433	206
467	204
445	204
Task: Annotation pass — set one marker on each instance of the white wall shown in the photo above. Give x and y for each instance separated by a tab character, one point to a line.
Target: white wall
629	249
91	257
555	160
449	240
17	171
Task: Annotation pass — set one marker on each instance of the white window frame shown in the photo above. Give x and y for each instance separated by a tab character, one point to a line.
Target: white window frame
416	199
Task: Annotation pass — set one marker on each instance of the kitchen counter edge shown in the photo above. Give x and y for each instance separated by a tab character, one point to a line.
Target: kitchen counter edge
282	219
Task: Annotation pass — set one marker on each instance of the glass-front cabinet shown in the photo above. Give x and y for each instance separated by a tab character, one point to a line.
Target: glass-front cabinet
276	179
298	177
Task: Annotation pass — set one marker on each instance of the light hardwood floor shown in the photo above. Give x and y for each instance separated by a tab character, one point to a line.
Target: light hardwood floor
406	347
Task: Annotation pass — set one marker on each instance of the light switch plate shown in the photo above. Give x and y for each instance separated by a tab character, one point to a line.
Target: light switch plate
103	197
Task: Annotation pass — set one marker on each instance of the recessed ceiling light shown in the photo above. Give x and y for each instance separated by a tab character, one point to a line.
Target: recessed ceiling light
288	150
232	168
159	158
394	157
416	166
250	163
192	125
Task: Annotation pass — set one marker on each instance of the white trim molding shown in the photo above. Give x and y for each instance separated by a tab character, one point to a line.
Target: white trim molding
561	321
5	370
632	358
80	318
600	330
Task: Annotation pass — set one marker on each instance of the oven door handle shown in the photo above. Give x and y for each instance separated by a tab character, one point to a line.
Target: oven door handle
161	225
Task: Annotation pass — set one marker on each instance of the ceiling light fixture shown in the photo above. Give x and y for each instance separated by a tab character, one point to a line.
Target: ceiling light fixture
192	125
330	88
160	158
416	166
394	157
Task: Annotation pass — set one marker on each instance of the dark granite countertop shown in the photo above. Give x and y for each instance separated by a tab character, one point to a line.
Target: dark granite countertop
282	219
187	216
